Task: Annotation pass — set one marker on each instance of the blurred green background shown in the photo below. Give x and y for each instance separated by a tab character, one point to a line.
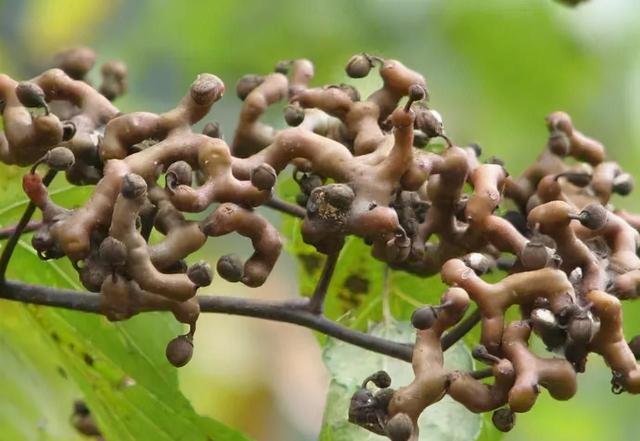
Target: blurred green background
494	68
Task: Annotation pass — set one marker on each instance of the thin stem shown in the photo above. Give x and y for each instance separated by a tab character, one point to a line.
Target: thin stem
460	330
7	232
286	207
24	221
316	302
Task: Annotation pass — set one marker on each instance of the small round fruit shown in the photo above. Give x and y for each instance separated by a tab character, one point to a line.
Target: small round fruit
416	92
212	129
594	216
30	94
340	196
559	143
179	350
293	115
381	379
423	318
181	172
263	177
504	419
60	158
623	184
133	186
358	66
200	273
230	267
113	251
534	256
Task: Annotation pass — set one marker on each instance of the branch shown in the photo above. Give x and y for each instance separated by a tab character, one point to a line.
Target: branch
287	311
294	312
461	329
316	302
281	205
7	232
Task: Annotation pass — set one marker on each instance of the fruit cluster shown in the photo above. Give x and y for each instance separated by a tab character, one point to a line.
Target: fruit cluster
365	167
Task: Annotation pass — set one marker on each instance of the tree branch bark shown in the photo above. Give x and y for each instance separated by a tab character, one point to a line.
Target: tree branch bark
6	232
295	312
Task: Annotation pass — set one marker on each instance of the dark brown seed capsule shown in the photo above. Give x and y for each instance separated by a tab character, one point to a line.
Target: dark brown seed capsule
594	216
114	79
179	173
263	177
133	186
110	90
207	89
534	256
358	66
340	196
68	130
179	350
423	318
504	419
399	427
623	184
381	379
293	115
559	143
428	121
212	129
60	158
581	329
200	273
230	267
30	95
76	62
93	275
42	241
416	92
246	84
113	251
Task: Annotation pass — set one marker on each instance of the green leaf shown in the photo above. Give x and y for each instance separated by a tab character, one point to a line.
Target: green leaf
119	369
446	420
36	395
